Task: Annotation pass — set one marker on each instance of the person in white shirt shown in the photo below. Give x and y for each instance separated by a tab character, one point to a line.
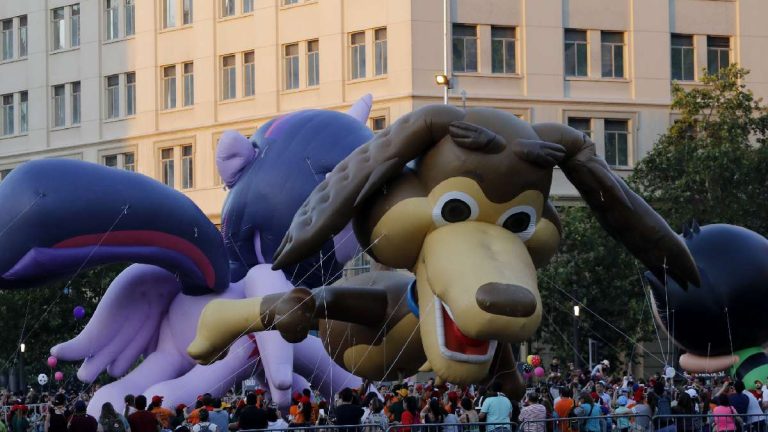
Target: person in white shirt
205	425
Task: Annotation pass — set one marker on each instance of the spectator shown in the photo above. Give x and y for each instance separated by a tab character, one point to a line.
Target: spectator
143	420
252	417
57	415
130	405
469	415
81	421
433	413
376	419
642	412
410	414
347	413
533	415
205	424
111	421
218	416
622	413
164	415
180	418
19	422
275	420
725	418
496	410
563	408
589	409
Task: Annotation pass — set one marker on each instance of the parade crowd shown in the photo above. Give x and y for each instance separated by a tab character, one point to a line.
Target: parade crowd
564	401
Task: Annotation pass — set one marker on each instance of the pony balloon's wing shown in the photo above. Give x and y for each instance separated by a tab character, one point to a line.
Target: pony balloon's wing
61	216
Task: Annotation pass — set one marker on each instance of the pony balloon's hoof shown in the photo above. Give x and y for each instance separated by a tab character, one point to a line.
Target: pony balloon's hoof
294	315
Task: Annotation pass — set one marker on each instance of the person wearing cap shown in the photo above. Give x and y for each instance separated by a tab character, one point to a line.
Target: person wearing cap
600	369
19	422
143	420
81	421
164	415
622	414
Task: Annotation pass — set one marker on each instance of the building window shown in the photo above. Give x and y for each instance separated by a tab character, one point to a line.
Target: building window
612	54
313	63
75	102
380	51
576	53
167	166
180	155
125	161
290	2
169	13
23	46
617	143
112	19
59	29
186	11
581	124
4	173
59	113
228	78
7	38
130	17
113	96
169	87
378	123
6	116
247	6
291	66
189	84
23	112
464	48
503	50
227	8
682	58
187	167
718	53
74	25
249	74
357	55
130	93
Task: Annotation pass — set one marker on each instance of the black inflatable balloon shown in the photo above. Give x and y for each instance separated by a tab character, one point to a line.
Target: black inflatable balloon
724	314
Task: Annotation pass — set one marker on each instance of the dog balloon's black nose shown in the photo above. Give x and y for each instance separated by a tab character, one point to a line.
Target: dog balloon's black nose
506	299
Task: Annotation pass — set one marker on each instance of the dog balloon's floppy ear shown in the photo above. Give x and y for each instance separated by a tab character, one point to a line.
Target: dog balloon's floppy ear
337	199
621	212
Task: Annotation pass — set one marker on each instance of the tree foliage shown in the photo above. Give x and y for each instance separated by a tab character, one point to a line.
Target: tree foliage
43	317
711	165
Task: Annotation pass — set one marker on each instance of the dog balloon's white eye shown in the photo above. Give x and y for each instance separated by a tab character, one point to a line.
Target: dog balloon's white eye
520	220
454	207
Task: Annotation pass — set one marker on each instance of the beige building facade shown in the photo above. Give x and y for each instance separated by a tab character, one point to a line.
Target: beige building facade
149	85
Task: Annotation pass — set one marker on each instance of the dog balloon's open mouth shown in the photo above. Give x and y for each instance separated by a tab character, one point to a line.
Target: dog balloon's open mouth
454	344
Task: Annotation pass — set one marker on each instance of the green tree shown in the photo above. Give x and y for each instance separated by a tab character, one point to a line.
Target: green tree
42	317
711	165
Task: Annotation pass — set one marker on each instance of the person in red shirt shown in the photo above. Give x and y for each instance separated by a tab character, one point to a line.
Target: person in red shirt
143	420
410	414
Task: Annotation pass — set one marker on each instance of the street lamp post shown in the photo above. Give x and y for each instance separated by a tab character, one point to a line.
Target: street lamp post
576	311
22	348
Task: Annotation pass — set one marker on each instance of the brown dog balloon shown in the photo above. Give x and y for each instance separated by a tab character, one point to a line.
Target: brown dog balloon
470	218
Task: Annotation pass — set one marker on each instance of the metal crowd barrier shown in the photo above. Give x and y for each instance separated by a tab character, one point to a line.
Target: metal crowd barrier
603	423
324	428
455	427
711	423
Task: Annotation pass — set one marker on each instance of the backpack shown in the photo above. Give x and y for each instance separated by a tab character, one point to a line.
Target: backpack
573	423
204	427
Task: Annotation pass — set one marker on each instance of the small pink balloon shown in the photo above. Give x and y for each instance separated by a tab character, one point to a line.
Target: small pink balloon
539	371
58	376
52	361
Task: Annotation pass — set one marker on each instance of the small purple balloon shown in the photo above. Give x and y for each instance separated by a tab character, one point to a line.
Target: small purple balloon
79	312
